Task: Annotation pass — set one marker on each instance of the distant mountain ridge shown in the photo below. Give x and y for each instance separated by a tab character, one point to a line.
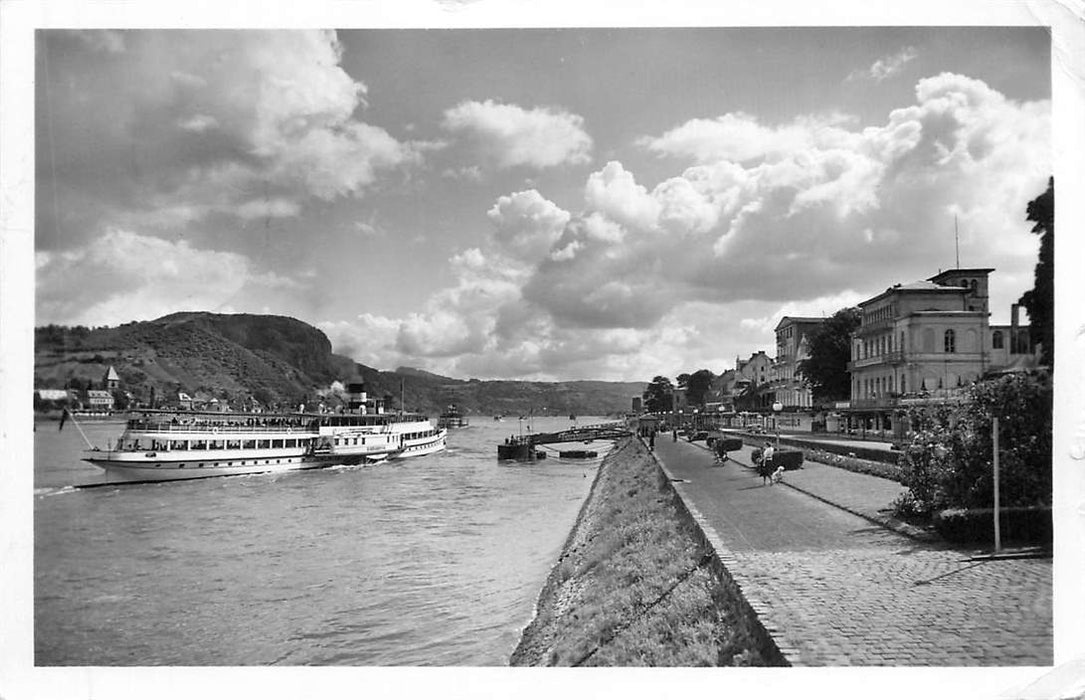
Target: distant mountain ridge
282	361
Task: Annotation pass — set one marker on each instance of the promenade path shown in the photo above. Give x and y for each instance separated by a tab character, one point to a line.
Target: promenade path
835	589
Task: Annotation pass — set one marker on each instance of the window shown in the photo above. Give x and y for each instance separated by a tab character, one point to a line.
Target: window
950	342
928	340
996	340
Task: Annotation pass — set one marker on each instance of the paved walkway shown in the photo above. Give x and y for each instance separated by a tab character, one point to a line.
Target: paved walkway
834	588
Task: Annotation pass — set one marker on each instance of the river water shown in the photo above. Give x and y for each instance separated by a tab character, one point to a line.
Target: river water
434	560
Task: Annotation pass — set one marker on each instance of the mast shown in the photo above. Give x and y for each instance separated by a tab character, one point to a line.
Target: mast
957	241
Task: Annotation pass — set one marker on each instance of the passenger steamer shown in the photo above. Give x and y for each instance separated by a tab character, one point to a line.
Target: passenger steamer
168	445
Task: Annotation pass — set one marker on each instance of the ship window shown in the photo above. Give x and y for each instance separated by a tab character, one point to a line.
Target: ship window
276	443
996	340
950	342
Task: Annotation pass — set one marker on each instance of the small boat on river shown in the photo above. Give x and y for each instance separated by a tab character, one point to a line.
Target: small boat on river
452	418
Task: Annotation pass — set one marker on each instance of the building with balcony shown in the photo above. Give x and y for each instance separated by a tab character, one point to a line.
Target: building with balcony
927	340
786	382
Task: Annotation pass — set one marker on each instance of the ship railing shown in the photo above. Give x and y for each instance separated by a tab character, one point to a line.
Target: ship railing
216	428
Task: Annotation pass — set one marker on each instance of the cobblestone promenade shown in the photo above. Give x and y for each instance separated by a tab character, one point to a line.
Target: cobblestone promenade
835	589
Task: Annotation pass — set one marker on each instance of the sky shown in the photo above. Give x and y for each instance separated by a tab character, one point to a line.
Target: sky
547	204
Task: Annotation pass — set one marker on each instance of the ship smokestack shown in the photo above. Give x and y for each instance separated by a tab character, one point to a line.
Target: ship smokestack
356	397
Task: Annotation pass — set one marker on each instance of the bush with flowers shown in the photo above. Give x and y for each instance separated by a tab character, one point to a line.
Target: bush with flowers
949	461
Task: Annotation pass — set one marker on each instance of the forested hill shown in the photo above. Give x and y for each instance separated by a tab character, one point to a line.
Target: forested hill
281	361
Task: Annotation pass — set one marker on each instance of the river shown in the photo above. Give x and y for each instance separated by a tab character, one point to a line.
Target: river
434	560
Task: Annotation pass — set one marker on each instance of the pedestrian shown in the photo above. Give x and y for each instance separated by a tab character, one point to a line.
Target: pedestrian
652	440
674	435
766	464
720	450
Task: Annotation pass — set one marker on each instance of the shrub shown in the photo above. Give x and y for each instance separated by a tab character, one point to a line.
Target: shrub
949	462
1016	524
788	459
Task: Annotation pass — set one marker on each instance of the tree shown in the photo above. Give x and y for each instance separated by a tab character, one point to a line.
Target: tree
1040	300
658	396
697	386
830	350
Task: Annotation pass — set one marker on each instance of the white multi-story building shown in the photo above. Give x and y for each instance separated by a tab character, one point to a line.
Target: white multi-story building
927	339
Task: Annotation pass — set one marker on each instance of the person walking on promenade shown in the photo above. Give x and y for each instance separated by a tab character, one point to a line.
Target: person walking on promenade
720	450
652	441
674	435
765	468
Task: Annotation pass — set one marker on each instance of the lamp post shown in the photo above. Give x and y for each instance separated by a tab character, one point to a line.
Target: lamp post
776	408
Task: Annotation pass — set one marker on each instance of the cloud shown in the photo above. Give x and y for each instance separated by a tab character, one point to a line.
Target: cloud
125	275
800	218
886	66
741	137
794	211
508	135
166	128
527	224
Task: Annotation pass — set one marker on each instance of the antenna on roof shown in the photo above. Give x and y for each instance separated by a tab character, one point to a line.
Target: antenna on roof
957	241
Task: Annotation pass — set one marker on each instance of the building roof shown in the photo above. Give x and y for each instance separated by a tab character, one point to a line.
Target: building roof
52	394
956	272
917	286
98	394
787	320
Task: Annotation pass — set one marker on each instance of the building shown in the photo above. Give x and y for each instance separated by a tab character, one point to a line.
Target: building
786	383
111	380
97	400
751	380
926	340
45	399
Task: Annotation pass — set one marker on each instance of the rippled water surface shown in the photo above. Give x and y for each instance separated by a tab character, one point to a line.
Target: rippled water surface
434	560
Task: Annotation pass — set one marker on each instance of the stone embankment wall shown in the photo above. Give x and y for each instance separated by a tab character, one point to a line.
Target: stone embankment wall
638	584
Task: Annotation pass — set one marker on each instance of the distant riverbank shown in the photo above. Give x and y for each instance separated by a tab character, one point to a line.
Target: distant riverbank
636	584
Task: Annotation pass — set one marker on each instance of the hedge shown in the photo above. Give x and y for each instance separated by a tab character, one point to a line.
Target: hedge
788	459
1016	524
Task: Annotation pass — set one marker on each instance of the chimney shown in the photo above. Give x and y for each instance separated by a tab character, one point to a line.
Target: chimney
356	397
1014	313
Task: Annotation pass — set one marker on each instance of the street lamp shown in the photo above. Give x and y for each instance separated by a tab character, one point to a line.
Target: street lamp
776	408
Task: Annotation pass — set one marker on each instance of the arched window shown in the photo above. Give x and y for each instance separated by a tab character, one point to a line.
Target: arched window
996	340
950	342
903	387
973	284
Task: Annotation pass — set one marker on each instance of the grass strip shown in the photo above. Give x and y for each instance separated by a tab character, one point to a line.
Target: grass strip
631	587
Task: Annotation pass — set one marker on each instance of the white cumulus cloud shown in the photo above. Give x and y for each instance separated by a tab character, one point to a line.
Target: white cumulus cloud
509	135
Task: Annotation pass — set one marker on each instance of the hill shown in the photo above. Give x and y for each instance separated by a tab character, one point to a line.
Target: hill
280	361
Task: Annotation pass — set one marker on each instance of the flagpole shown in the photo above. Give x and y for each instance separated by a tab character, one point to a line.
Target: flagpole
957	241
